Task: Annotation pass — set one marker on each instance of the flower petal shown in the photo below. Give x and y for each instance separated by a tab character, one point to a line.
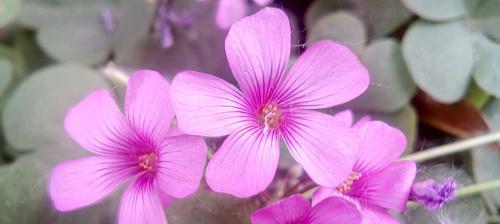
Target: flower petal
325	75
323	193
181	163
147	105
334	210
322	144
206	105
230	11
346	117
394	180
97	125
78	183
293	209
263	2
380	145
258	49
374	215
245	164
142	203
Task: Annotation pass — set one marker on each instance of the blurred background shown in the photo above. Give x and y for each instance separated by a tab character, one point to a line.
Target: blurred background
434	65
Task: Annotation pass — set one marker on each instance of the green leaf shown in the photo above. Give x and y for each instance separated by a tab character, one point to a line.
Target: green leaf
383	16
487	68
342	27
83	41
487	17
8	11
406	120
391	84
486	160
6	70
35	14
442	10
380	16
33	115
440	58
477	96
24	197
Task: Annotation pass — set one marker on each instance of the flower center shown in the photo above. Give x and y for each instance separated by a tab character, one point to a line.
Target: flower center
270	116
345	186
148	161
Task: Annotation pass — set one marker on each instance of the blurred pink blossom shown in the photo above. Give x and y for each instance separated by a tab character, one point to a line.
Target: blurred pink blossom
378	182
230	11
273	104
137	146
296	209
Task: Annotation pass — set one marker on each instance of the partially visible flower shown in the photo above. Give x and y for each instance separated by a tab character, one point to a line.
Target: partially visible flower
230	11
108	20
433	195
297	210
378	182
273	104
137	146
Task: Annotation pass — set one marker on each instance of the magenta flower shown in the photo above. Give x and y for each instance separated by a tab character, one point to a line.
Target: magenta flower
230	11
272	105
297	210
137	146
378	182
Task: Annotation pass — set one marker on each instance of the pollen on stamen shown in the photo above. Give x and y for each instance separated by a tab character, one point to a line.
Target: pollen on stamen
345	186
148	161
270	116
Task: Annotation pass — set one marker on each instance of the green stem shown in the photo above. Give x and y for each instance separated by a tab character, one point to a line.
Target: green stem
452	148
115	75
478	188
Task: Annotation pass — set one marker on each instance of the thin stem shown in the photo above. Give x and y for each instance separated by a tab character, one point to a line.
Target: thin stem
478	188
115	75
455	147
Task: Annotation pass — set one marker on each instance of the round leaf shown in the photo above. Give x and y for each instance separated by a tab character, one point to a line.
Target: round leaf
5	74
8	11
487	17
33	116
441	10
83	41
342	27
487	67
24	197
440	58
380	16
391	84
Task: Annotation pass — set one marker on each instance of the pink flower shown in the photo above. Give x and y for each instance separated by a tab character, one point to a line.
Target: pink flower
137	146
377	182
272	105
297	210
230	11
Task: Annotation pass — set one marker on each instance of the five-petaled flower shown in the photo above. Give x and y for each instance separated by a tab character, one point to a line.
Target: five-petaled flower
297	210
273	104
377	182
138	146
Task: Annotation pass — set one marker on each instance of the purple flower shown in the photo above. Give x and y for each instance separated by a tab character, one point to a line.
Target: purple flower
378	182
137	146
230	11
297	210
272	105
433	195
